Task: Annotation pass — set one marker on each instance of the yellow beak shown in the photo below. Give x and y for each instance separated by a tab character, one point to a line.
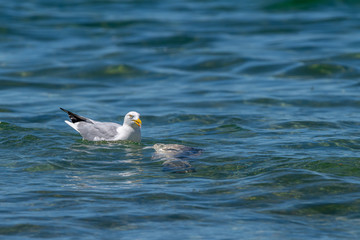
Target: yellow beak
138	122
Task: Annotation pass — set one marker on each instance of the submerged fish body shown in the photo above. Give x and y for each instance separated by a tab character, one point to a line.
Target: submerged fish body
175	157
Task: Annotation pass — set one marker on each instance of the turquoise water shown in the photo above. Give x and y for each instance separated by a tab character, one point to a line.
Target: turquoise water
269	90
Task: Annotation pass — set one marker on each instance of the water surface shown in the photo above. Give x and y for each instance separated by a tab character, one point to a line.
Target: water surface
269	90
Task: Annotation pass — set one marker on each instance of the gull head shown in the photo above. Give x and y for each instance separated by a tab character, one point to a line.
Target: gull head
132	119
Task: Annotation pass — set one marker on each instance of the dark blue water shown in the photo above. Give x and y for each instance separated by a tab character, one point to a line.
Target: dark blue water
269	90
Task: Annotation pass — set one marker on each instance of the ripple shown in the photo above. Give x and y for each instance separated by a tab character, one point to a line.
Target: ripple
316	125
115	24
9	84
217	64
312	103
339	209
265	68
291	5
24	228
167	41
320	70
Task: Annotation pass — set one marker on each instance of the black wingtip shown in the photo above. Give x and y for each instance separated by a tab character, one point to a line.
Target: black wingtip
68	112
74	117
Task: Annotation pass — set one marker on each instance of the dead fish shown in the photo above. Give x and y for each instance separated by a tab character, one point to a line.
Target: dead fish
174	156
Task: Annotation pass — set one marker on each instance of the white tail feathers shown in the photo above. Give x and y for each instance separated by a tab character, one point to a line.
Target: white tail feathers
73	125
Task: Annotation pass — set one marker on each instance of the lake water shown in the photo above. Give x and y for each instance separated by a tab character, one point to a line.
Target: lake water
267	89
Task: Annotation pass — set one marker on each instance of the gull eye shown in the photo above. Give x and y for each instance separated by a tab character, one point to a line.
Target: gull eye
131	116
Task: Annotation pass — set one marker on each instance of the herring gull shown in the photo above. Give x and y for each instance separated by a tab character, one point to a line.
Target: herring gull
106	131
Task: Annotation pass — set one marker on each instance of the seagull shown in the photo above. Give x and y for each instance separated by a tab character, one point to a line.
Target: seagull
106	131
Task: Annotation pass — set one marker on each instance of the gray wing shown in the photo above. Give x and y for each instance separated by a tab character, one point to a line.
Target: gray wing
97	131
